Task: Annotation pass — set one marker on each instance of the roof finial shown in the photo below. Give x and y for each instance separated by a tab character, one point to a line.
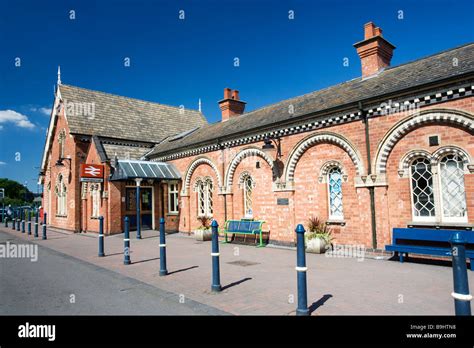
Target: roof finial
59	74
199	104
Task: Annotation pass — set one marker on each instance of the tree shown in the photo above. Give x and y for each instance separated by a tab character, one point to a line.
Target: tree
15	193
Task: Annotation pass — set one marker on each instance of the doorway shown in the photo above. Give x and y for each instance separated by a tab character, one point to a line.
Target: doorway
146	207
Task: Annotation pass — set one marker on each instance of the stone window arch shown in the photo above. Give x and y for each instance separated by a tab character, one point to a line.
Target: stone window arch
62	142
193	166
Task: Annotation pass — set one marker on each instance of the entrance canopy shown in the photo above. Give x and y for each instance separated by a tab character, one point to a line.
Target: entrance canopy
129	169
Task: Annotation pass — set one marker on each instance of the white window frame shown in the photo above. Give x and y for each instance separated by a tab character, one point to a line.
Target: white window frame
204	189
328	179
437	193
422	218
248	211
443	218
173	192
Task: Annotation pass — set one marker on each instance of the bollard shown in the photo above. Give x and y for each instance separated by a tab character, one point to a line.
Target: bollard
18	220
301	272
462	298
29	222
44	226
101	236
126	243
36	222
163	270
22	215
13	219
6	221
216	279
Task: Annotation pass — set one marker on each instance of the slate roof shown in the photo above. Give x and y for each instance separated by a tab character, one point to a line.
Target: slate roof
126	118
392	80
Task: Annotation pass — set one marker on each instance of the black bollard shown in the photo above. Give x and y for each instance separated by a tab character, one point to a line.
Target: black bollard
29	222
18	220
44	226
163	270
36	222
462	298
126	243
22	214
101	236
13	219
216	279
301	272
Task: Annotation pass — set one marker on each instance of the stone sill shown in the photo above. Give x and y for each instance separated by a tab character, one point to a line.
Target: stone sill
336	222
440	225
61	216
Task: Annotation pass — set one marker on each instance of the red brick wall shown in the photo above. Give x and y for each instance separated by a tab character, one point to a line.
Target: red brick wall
309	198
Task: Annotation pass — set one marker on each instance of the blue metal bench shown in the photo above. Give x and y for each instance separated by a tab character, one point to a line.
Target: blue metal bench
427	242
244	227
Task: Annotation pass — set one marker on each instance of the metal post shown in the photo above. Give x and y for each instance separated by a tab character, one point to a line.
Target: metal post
101	236
462	298
3	209
18	220
216	279
29	222
126	243
13	219
301	272
163	270
139	220
22	214
44	226
36	222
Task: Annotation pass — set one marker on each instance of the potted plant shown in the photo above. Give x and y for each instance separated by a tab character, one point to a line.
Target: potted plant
204	232
318	236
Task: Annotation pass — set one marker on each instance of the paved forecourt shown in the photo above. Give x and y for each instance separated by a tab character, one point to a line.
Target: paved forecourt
259	281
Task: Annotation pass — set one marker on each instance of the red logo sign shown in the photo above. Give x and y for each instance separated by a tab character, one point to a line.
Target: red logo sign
92	171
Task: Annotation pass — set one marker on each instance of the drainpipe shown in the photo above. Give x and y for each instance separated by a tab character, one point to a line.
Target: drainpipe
223	177
365	120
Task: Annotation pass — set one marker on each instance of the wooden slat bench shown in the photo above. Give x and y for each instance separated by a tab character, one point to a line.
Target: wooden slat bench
428	242
244	227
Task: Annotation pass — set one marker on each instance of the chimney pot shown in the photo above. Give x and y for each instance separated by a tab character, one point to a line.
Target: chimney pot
231	105
374	51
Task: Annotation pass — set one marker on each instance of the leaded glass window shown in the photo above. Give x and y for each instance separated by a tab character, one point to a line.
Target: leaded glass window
248	185
453	194
335	193
205	199
422	189
61	197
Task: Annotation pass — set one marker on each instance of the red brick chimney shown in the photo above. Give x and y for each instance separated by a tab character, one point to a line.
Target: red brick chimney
231	105
374	51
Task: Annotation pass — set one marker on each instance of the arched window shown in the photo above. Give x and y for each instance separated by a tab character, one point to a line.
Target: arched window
334	181
422	190
61	197
61	141
440	195
247	184
204	189
453	194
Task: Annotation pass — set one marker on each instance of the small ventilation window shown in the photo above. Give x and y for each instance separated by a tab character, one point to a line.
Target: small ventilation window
433	140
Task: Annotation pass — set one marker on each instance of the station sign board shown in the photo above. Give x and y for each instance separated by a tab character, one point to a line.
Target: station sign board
92	173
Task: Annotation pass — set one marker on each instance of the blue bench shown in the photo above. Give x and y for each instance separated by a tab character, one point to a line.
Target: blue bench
427	242
244	226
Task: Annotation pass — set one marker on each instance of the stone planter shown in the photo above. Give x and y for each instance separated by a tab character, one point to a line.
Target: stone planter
203	235
316	245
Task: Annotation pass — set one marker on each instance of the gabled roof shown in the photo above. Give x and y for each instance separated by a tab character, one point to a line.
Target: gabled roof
125	118
436	68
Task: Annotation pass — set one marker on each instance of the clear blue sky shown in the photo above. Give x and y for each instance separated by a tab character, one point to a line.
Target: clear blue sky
177	61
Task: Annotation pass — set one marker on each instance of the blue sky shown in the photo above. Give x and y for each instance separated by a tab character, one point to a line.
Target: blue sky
176	61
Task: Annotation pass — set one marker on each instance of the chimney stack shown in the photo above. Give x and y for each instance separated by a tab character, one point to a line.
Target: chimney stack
231	105
374	51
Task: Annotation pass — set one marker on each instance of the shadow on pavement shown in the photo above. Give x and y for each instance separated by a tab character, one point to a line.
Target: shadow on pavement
155	258
182	270
235	283
319	303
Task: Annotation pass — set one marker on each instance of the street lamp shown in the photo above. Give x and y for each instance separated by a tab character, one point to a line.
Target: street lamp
268	145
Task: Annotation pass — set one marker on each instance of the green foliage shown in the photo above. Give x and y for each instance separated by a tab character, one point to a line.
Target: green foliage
318	229
205	222
15	193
